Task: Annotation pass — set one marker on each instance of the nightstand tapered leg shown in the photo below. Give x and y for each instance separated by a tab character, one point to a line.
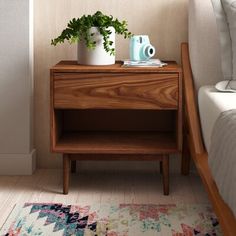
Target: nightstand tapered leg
66	173
165	176
161	170
73	166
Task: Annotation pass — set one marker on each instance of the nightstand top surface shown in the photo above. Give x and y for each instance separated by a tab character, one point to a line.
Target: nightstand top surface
72	66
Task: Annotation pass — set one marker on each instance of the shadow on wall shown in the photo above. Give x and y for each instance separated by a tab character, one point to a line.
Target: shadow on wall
165	21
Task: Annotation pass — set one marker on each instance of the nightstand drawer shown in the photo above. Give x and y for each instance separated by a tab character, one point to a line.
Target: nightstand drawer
115	91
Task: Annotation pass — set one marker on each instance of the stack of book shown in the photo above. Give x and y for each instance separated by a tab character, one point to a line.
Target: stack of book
147	63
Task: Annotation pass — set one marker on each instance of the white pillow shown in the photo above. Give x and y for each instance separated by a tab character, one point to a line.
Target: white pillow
230	10
226	86
225	40
204	44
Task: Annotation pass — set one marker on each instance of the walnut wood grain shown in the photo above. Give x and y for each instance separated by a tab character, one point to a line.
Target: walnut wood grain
53	131
116	157
116	143
116	91
121	100
190	101
72	66
198	152
179	118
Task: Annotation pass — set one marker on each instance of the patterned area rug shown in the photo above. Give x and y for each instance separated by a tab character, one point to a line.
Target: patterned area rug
116	220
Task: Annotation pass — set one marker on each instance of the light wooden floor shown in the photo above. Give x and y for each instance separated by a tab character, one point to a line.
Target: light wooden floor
98	187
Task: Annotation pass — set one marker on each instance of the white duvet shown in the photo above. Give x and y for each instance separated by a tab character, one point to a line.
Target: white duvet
211	104
218	123
222	156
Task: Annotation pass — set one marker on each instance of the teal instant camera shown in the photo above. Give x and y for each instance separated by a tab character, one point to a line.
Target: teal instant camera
140	48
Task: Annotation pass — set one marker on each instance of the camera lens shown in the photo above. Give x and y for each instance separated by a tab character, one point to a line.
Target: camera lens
149	51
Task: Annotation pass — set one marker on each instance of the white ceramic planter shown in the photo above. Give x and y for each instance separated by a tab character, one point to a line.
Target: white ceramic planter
98	56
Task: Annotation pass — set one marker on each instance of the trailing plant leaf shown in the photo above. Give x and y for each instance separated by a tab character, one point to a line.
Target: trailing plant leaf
78	29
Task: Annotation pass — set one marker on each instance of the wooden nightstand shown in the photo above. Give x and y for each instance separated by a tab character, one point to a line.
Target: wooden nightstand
115	113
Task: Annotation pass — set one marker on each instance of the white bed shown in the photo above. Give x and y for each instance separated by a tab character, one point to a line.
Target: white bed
217	116
206	61
211	104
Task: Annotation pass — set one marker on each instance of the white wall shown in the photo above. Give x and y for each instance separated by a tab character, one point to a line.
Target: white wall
16	87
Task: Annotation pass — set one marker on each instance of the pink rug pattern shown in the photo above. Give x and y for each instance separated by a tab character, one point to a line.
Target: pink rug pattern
111	220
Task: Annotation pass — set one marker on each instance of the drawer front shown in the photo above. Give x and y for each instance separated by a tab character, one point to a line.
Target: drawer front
115	91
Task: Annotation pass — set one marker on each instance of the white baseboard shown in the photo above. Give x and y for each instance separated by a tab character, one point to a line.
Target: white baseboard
18	164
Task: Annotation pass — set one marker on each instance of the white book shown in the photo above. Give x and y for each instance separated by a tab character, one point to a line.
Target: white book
147	63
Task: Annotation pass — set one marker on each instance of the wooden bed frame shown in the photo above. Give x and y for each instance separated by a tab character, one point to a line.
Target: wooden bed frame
193	146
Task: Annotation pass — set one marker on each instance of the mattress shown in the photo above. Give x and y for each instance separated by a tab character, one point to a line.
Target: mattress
211	104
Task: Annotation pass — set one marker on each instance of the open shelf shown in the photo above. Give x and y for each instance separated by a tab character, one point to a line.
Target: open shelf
116	142
115	132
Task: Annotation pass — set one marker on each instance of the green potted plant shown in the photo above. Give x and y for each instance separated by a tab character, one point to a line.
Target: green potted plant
95	35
